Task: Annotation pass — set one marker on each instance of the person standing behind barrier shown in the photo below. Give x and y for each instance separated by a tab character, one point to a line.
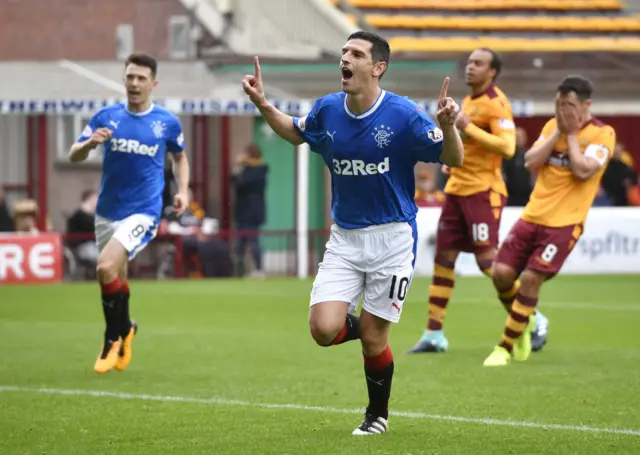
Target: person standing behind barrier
516	176
250	181
82	222
6	223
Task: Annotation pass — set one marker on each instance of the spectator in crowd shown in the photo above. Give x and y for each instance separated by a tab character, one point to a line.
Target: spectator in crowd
619	180
601	199
250	181
195	209
24	216
202	254
192	236
517	177
626	157
81	228
427	194
6	223
633	194
170	186
192	217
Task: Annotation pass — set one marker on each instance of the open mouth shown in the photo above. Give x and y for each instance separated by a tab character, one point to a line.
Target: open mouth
133	93
346	73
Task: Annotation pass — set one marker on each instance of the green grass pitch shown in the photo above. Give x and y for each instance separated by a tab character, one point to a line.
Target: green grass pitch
228	367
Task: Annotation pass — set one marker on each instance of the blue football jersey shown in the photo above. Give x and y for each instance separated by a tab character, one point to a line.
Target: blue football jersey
133	162
371	156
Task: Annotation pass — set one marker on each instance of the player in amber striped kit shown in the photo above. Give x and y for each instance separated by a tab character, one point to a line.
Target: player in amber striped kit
570	157
475	193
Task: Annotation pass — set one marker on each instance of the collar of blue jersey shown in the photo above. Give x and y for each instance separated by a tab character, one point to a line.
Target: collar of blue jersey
368	112
140	114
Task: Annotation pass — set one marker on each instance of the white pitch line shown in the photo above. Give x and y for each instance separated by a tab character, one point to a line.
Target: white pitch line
301	407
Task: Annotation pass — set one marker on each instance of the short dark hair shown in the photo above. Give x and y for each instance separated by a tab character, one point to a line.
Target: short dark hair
254	150
143	60
578	84
380	49
496	61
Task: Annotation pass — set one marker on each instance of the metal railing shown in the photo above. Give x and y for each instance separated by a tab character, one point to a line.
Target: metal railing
205	256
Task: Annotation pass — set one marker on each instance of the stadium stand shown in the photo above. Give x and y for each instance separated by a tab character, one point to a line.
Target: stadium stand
494	23
505	25
480	5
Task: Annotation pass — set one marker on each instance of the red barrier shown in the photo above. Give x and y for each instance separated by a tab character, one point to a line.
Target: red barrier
30	258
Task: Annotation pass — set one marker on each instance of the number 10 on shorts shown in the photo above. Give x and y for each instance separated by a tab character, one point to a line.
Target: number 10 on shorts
398	288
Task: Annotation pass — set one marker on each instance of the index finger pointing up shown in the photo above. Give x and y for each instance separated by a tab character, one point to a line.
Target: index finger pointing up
443	90
256	63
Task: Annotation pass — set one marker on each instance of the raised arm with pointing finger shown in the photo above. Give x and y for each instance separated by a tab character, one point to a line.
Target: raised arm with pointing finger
280	122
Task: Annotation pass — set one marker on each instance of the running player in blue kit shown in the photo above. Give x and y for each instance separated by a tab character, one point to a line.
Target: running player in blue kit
137	137
370	140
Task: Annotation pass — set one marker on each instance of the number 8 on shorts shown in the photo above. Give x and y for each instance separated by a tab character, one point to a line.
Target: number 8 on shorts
134	232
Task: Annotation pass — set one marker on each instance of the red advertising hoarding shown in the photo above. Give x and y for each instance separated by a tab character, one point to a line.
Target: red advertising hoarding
27	258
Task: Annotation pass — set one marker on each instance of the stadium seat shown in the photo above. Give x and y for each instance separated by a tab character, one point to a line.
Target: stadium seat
478	5
466	44
502	23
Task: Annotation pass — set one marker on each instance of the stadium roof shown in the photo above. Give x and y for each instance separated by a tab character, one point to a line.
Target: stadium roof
66	80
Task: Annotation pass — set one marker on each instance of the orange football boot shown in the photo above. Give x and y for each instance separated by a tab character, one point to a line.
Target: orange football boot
124	354
108	356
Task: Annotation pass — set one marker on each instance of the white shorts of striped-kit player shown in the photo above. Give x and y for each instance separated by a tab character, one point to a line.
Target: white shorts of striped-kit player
374	263
134	232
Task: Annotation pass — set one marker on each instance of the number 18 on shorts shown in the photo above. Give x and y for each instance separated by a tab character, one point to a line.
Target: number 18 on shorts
374	263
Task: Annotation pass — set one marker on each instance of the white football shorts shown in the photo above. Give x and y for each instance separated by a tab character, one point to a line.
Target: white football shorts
375	263
133	232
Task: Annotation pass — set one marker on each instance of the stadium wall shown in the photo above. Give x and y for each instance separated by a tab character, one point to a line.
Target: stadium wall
13	150
83	30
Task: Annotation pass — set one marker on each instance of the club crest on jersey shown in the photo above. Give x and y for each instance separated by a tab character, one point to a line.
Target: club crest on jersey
158	129
435	134
302	123
382	135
